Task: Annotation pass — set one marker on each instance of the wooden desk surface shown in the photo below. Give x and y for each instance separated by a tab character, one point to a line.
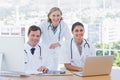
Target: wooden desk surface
115	75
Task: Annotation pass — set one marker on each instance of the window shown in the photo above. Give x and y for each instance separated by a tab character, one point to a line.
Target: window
100	17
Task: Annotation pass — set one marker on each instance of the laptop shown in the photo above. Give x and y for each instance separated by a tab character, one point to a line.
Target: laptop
96	65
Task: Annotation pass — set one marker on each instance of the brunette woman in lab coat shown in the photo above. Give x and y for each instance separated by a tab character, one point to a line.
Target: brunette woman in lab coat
77	49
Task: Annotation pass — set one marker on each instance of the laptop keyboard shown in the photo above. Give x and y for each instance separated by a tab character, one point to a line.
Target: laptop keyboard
1	78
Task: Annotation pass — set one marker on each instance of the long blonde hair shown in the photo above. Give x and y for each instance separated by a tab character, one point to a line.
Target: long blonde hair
53	10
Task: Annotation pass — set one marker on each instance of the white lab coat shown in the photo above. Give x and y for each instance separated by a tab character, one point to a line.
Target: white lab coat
33	62
48	37
77	59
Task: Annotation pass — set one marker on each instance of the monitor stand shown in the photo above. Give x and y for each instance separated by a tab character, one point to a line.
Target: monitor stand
1	60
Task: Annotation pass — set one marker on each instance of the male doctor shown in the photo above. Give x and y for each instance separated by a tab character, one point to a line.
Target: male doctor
36	55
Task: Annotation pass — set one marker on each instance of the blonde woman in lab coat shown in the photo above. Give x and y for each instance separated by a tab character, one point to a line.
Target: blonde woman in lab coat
36	57
54	31
77	49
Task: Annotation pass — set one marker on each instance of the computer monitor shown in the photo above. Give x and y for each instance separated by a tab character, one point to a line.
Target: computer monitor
12	49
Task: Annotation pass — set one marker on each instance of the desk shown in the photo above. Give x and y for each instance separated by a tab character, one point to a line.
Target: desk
115	75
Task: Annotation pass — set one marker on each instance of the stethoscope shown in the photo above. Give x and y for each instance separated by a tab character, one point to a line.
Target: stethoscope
59	31
86	43
39	57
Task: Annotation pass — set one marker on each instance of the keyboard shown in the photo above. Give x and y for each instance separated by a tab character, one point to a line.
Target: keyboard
1	78
12	73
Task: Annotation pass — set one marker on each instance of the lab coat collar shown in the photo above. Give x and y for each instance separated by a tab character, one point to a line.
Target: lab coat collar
81	44
29	47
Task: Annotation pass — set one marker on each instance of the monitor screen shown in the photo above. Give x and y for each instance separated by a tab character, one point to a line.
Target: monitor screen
12	49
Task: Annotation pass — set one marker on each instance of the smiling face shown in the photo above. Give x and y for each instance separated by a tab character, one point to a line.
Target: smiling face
34	37
55	18
78	32
34	34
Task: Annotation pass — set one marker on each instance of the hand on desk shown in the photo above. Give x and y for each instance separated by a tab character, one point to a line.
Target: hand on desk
73	68
43	69
80	69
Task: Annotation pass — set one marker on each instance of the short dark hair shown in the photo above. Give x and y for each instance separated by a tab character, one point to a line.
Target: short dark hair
34	28
77	24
